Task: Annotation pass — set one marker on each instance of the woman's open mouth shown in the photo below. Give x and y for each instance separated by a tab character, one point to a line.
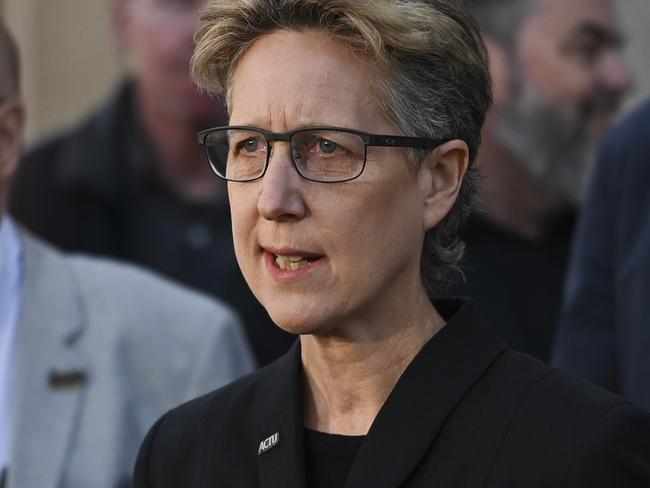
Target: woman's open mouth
293	263
289	261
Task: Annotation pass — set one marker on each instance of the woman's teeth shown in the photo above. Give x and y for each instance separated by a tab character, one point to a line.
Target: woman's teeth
291	263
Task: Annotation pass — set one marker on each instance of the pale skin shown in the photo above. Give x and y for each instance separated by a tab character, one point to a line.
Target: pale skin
566	51
360	308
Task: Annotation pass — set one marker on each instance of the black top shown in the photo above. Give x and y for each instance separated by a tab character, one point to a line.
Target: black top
329	457
517	283
465	413
98	189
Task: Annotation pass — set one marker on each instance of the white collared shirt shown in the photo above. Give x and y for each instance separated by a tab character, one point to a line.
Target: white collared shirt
11	277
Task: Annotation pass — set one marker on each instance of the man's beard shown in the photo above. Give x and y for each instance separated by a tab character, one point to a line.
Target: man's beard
553	143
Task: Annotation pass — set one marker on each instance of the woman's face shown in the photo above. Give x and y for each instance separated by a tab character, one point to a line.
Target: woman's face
361	240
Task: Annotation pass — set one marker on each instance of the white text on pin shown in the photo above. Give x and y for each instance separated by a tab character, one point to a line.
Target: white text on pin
269	443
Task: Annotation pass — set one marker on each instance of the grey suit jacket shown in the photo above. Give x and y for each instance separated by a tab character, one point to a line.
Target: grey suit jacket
102	350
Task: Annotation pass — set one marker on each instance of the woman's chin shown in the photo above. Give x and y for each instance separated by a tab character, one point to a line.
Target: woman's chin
295	323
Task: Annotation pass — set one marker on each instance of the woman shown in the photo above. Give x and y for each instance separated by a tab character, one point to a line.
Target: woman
350	157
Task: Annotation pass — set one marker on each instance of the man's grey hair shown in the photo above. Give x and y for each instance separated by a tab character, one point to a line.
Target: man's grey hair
9	64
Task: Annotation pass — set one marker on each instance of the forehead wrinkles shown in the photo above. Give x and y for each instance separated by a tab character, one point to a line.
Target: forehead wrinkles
285	101
270	79
311	108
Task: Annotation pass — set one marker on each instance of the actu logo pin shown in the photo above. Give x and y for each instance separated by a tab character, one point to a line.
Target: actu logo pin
269	443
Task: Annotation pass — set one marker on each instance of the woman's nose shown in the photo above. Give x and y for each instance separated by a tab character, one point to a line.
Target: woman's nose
282	196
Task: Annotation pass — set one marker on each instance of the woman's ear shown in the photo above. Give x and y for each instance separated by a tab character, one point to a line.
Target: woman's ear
440	177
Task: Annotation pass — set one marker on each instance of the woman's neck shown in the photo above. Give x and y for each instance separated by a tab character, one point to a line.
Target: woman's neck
348	381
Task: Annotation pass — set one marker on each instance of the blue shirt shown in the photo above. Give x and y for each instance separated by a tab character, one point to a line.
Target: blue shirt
11	276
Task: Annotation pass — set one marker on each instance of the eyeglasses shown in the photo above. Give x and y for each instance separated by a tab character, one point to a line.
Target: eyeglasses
323	154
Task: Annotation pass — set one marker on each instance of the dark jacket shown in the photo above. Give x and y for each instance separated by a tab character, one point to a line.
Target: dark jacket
604	333
467	412
97	189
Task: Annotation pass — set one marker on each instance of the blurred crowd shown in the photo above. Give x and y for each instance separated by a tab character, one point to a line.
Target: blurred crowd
557	257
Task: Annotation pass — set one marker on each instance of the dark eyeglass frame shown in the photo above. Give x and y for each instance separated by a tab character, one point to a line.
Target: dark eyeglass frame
374	140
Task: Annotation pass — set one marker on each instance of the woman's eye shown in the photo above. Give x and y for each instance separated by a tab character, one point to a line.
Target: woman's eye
328	147
249	145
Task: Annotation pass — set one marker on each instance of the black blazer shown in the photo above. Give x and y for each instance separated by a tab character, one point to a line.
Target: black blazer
465	413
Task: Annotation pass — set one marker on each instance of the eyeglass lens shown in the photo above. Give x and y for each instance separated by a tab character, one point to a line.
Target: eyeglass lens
319	155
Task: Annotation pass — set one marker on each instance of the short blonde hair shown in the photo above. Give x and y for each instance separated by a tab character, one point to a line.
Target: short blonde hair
434	79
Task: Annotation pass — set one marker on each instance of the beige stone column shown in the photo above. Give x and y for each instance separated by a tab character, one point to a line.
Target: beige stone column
68	58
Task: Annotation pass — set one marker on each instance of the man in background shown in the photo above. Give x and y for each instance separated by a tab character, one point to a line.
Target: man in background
558	80
604	332
91	352
132	182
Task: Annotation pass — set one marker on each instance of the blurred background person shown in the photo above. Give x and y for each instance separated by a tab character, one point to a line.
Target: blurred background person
604	333
91	352
558	80
131	181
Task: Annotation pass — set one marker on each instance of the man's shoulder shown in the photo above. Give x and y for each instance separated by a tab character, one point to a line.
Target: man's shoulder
130	294
143	293
94	271
134	320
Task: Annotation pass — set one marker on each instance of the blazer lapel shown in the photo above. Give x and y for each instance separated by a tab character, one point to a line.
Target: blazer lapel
50	373
426	394
278	424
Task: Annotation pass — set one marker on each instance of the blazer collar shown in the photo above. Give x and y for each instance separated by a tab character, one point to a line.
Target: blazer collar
50	373
425	395
408	423
278	408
